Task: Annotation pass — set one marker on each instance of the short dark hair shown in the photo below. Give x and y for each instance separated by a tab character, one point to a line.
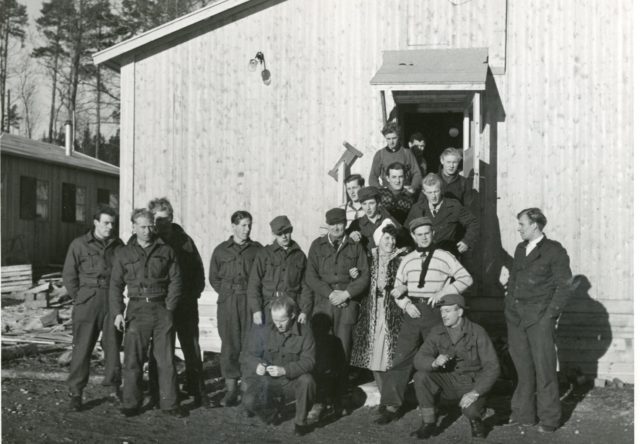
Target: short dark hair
286	303
417	136
391	230
105	209
391	127
353	177
239	215
141	212
161	204
535	215
394	166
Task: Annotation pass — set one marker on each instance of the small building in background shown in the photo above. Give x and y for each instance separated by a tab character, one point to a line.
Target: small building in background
49	195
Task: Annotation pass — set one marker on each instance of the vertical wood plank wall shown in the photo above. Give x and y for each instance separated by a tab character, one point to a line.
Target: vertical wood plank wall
201	129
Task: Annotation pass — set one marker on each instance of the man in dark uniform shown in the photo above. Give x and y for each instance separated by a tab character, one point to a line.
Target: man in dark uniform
231	264
361	230
394	197
331	259
424	276
456	229
538	290
86	275
278	270
149	268
457	360
185	317
277	365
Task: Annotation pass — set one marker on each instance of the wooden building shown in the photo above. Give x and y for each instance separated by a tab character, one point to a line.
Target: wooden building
49	196
537	92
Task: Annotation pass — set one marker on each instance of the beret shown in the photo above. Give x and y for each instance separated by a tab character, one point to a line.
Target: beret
367	193
280	224
452	299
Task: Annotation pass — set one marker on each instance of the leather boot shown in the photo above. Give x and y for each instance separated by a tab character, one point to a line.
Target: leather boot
477	428
231	397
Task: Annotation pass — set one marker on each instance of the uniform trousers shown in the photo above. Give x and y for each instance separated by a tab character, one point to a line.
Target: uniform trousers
448	385
233	321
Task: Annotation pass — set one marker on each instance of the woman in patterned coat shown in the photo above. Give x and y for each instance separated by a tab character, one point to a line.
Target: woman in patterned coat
374	336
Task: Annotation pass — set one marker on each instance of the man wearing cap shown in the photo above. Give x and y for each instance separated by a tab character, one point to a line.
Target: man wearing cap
539	287
149	268
362	229
394	197
338	274
229	271
86	274
457	360
278	270
353	207
456	229
424	276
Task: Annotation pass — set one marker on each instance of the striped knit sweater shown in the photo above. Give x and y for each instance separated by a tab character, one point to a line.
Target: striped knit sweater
443	266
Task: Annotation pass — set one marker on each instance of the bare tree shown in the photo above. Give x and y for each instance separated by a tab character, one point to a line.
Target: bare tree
27	90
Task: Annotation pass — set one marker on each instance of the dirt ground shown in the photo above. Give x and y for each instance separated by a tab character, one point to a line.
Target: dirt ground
34	411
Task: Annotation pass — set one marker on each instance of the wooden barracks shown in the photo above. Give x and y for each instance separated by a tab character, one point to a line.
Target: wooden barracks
536	92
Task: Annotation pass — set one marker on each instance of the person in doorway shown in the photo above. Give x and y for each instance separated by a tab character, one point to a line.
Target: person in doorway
417	146
456	186
394	152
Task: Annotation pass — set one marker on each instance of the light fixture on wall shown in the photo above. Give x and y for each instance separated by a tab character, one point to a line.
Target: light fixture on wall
259	60
453	132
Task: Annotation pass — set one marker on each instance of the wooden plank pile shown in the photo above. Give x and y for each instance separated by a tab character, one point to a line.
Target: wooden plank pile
16	278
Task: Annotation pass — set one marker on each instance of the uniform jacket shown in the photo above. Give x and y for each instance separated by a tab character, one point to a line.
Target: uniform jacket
276	269
87	267
452	224
230	267
473	355
295	349
328	270
152	273
539	284
189	260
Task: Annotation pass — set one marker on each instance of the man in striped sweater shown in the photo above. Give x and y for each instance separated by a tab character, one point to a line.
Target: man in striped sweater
424	277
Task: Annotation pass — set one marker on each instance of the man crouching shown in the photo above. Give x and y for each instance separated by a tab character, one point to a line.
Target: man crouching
278	361
457	360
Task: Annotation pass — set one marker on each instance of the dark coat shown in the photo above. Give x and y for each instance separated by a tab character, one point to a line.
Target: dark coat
152	272
458	188
539	284
452	224
189	260
295	350
275	269
367	228
230	267
474	355
328	270
87	266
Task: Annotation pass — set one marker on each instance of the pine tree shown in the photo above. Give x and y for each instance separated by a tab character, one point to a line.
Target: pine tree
13	21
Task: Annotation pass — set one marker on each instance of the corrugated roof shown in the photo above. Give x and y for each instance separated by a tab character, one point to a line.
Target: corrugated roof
49	153
463	68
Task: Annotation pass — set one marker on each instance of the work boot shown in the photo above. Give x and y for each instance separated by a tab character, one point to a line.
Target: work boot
301	429
477	428
425	431
176	412
128	412
75	402
231	397
387	416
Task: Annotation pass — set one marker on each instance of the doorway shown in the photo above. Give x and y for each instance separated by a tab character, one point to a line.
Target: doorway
440	130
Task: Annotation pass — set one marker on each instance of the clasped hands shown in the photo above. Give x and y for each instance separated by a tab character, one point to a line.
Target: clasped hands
274	371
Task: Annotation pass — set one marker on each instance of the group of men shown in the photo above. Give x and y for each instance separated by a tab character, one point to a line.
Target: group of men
273	301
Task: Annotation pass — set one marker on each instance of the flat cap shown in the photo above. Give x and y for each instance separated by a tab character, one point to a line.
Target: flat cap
367	193
452	299
280	224
418	222
335	216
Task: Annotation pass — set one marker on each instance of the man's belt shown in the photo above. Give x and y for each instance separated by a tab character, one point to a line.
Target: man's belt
147	292
235	287
99	282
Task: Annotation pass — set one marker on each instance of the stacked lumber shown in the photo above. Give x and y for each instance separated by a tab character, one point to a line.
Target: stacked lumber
16	278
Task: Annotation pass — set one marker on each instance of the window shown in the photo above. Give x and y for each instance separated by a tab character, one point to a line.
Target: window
74	203
34	198
108	197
